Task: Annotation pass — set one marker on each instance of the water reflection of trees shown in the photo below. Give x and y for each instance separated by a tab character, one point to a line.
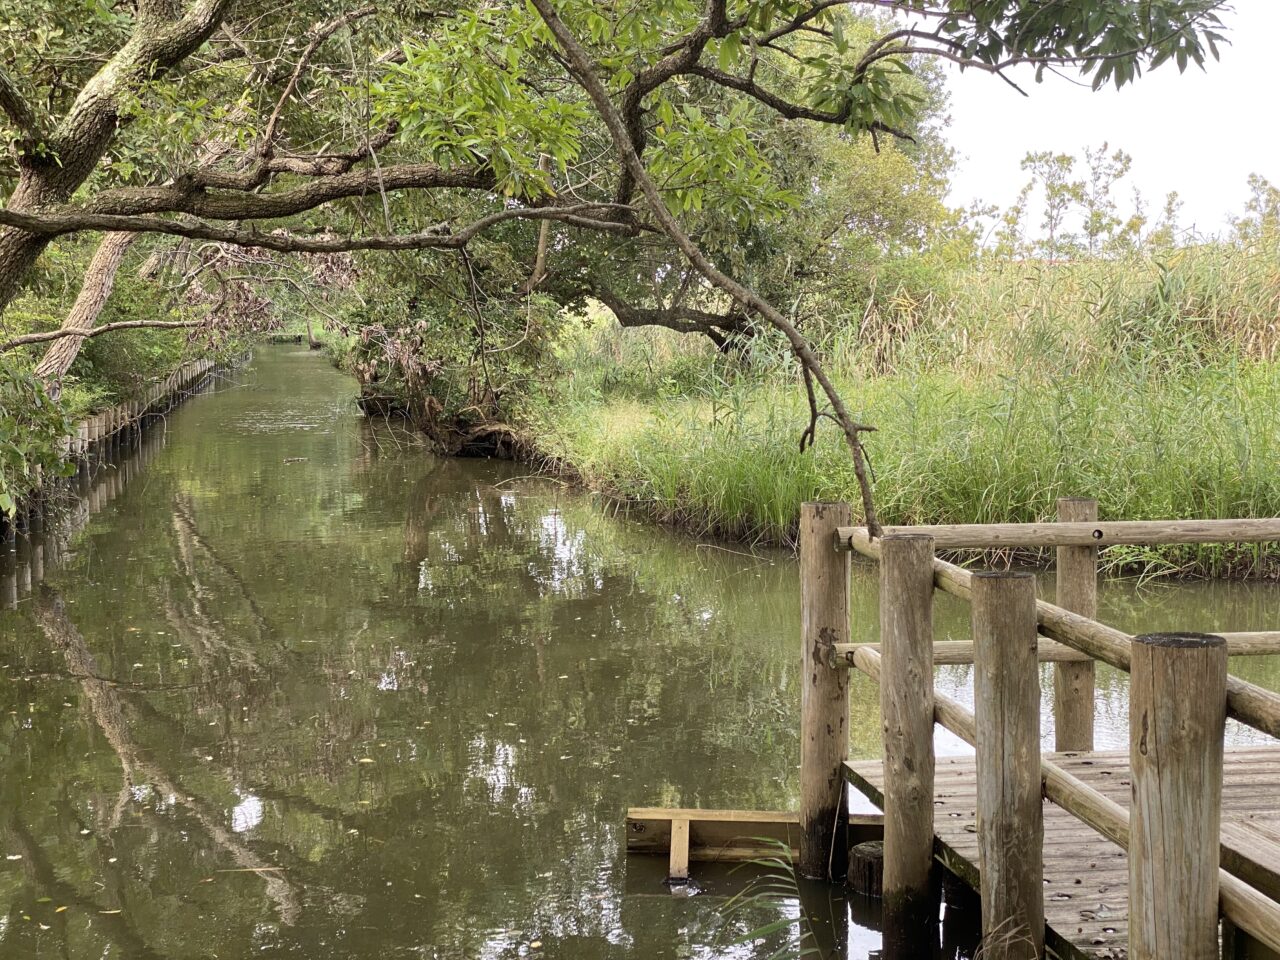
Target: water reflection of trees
456	811
241	633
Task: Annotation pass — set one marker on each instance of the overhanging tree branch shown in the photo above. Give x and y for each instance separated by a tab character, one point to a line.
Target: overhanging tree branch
677	58
188	196
45	336
439	236
585	72
782	106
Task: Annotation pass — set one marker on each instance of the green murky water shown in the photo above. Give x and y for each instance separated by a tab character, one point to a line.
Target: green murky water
297	688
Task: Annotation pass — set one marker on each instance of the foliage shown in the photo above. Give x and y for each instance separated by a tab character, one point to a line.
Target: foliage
1260	224
1086	203
484	108
774	887
31	428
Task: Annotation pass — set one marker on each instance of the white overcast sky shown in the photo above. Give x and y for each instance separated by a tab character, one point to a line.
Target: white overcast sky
1200	133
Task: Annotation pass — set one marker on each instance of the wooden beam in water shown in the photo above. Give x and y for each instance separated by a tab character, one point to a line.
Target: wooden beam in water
1010	808
1177	708
1077	590
906	706
824	693
678	860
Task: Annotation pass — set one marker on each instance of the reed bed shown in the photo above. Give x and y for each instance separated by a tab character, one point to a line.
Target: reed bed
1153	387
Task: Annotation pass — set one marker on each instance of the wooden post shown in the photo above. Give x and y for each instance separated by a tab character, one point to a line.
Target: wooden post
824	692
23	563
866	869
1177	712
906	710
1073	683
1010	814
8	585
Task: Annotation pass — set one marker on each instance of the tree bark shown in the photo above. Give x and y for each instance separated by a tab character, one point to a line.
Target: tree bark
99	279
80	138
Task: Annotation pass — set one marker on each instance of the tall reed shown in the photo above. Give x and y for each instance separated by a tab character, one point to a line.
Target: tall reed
1152	386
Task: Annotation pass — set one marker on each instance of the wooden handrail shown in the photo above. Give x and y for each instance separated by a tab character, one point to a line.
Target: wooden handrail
990	536
1246	907
960	652
1247	702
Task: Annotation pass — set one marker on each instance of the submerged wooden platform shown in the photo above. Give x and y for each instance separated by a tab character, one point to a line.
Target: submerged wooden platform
1087	876
725	836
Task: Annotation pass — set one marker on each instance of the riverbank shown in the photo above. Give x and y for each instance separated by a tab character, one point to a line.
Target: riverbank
989	401
947	450
110	375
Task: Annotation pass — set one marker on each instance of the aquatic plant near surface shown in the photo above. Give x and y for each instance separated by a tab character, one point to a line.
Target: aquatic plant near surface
776	888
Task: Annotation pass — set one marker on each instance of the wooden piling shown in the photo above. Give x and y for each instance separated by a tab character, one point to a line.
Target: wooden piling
866	869
1177	712
1010	815
906	710
824	696
22	561
1073	683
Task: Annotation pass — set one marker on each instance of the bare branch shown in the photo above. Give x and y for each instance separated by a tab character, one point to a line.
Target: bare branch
440	236
46	335
318	36
585	72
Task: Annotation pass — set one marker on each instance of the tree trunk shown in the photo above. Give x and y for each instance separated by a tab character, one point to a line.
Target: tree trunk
84	132
99	278
19	250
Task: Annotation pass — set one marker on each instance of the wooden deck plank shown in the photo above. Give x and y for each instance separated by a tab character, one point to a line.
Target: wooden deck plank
1086	875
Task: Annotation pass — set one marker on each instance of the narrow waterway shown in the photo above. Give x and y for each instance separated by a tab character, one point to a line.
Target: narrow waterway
302	689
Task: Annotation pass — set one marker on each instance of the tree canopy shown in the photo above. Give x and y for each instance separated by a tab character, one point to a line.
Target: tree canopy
686	162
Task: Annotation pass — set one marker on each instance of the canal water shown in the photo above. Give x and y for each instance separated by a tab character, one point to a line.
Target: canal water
301	689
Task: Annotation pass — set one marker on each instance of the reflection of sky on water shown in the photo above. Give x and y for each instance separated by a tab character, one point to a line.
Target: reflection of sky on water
246	814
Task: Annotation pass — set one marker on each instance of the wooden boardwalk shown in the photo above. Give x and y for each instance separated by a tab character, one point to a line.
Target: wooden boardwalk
1087	876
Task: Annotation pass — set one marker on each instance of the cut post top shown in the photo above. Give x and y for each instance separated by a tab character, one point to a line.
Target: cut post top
1194	641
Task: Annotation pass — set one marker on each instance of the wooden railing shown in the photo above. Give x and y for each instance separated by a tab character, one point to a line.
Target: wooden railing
1180	695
